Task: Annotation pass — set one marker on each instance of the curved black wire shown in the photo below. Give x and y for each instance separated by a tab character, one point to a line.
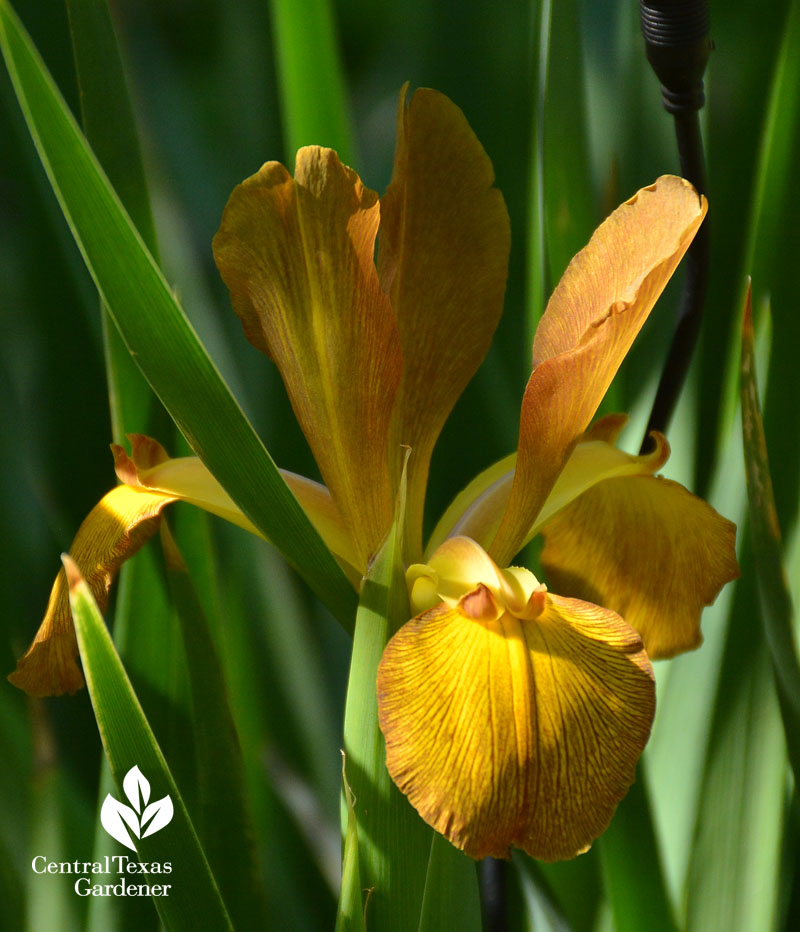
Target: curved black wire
676	34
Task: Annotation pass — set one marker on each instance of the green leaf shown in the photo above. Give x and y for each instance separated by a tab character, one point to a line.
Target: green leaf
110	128
534	905
733	877
777	612
394	842
156	331
350	914
106	112
570	215
631	864
414	878
310	78
142	615
774	177
451	896
561	214
537	282
193	900
558	881
223	817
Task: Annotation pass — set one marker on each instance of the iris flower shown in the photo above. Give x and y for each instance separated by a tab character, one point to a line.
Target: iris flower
512	716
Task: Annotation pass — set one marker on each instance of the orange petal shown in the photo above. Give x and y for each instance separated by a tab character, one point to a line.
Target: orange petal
297	256
188	479
113	531
507	732
648	549
443	258
592	318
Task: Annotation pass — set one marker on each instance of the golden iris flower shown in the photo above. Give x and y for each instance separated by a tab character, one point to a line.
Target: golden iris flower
512	716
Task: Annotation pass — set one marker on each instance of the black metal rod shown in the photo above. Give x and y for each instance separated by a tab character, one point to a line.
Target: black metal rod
676	34
492	874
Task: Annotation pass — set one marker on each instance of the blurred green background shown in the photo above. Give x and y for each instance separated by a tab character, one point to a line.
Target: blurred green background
560	94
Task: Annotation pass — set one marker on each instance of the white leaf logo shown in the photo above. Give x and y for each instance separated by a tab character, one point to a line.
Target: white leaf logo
136	787
161	814
117	818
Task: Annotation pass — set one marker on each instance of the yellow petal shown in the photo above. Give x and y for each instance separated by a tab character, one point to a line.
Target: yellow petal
113	531
187	478
594	459
444	243
508	732
297	256
477	511
591	320
455	569
647	548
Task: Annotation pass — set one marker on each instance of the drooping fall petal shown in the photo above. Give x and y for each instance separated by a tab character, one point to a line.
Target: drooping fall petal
113	531
188	479
508	732
590	322
648	549
297	256
443	257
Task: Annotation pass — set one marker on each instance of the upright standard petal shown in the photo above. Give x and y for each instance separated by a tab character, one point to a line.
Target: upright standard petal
648	549
297	256
443	258
592	318
515	731
113	531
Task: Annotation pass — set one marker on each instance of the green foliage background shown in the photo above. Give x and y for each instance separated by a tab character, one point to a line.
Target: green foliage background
565	104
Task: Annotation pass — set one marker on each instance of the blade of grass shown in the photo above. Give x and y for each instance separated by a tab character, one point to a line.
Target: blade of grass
142	615
194	900
58	809
561	880
537	282
773	179
733	876
631	862
561	211
223	815
570	215
156	331
533	905
777	613
274	697
394	843
12	896
688	685
311	78
733	880
350	914
106	112
110	128
451	897
414	879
